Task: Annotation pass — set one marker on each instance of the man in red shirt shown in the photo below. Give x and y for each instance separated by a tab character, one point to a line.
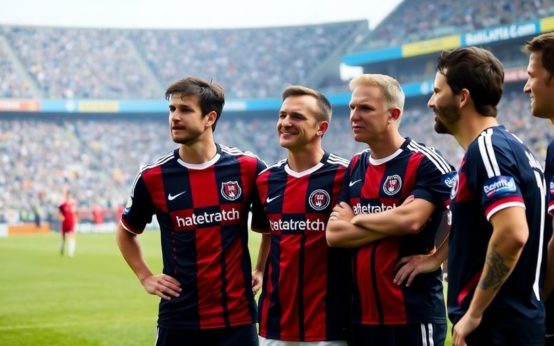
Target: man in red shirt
68	219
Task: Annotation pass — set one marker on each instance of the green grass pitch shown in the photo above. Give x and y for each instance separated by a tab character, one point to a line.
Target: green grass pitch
90	299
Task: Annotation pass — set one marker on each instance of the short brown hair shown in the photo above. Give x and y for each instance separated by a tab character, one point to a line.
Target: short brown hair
210	95
325	109
544	44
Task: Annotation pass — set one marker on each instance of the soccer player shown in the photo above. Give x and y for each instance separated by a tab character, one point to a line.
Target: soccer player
305	296
392	203
68	217
540	86
201	194
497	206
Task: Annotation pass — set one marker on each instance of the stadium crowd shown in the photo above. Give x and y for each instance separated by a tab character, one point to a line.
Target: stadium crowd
97	158
135	64
426	19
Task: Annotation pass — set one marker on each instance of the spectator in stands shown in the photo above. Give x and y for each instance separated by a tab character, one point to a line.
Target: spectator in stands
425	19
540	87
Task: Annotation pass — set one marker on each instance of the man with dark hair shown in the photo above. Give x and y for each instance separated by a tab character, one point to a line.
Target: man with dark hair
305	296
540	87
497	205
201	194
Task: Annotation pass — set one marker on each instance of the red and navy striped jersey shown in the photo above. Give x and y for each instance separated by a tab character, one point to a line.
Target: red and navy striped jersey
374	186
305	294
497	172
202	210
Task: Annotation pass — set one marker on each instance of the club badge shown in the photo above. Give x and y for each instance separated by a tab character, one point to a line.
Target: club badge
231	190
319	199
392	184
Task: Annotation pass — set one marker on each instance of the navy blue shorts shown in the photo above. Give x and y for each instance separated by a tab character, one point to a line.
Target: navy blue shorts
241	335
506	329
413	334
549	322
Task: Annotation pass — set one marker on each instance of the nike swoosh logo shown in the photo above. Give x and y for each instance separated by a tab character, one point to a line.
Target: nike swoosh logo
269	200
172	197
352	183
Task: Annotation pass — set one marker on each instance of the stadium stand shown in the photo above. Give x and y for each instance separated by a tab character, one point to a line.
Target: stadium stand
135	64
96	154
416	20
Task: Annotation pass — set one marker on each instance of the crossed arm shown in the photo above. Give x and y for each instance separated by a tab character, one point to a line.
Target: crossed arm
345	229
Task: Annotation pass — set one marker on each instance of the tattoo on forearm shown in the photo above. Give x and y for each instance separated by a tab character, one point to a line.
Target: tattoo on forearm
496	273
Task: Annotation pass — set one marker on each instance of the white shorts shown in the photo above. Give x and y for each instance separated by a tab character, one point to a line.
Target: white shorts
272	342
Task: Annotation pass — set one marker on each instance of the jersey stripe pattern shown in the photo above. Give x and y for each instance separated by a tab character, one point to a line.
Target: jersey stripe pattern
202	211
374	186
497	172
305	293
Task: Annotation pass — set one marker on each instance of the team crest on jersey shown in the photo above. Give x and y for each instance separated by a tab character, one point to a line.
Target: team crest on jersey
392	184
231	190
552	187
319	199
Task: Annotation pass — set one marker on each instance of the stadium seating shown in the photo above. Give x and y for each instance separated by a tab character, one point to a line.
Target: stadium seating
417	20
98	156
139	64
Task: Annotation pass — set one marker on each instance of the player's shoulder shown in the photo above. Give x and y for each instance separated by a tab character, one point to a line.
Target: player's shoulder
362	153
431	154
336	160
157	162
495	139
358	158
236	152
279	165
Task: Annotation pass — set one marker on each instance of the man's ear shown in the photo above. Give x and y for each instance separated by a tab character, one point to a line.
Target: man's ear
211	118
322	128
465	97
395	113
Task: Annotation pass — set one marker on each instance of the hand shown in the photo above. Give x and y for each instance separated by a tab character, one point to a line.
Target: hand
257	279
410	266
163	286
463	328
342	212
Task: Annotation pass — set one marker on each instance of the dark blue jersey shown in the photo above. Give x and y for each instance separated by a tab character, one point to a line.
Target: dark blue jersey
549	175
373	186
305	294
202	210
497	172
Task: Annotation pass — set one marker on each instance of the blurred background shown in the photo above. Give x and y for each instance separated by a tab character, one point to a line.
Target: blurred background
82	106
